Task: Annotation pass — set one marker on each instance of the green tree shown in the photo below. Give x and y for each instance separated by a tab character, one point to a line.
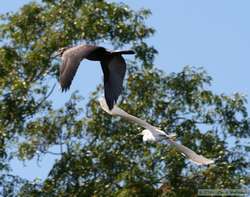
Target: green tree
100	155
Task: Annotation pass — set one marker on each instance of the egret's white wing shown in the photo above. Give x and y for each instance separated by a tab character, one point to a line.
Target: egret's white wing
194	157
116	111
162	133
104	106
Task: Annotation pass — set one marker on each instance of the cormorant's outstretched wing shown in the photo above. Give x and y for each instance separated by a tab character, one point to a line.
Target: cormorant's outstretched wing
70	61
114	69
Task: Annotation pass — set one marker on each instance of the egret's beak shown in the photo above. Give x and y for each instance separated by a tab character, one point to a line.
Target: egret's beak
139	134
136	136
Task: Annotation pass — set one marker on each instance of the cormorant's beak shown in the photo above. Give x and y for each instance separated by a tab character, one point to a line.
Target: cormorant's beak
55	54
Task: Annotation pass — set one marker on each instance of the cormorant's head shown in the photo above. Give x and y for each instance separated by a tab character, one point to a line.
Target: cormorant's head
61	51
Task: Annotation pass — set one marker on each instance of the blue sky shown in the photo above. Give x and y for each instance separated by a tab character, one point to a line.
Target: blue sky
212	34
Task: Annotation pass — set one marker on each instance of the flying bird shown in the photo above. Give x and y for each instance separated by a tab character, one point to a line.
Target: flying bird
152	133
112	63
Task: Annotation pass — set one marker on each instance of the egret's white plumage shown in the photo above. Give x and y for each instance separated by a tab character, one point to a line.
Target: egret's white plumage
152	133
148	136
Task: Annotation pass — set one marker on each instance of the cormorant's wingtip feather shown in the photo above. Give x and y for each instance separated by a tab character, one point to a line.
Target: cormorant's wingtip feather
105	106
110	104
110	107
64	89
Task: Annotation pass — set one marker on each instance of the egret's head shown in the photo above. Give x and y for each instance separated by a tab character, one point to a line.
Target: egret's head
147	136
140	134
145	132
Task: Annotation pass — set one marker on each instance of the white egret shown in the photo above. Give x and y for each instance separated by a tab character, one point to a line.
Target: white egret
152	133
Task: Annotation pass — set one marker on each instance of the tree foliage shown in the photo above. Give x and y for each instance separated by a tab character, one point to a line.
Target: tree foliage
99	154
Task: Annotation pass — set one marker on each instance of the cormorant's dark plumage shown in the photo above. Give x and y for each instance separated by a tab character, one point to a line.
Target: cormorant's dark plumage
112	62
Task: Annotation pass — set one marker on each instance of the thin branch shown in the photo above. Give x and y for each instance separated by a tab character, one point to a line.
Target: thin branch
46	97
52	153
192	120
